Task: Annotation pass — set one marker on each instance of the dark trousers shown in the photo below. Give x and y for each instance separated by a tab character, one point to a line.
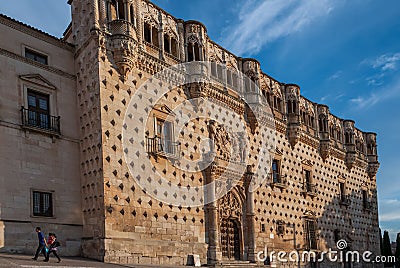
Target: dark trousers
55	254
41	249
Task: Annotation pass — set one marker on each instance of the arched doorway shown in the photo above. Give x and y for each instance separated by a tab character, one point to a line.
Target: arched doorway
231	226
230	239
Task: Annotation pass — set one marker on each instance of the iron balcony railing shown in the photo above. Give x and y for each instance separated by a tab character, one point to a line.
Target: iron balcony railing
40	120
278	179
157	145
344	200
367	205
310	188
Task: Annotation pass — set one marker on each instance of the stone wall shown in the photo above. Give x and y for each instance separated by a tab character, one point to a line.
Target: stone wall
36	159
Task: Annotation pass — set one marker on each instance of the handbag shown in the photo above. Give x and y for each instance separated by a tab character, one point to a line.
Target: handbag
56	244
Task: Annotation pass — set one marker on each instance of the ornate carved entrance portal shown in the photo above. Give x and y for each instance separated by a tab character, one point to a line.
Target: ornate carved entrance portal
230	212
230	239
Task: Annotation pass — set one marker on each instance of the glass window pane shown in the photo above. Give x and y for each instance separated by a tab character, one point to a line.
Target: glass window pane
35	56
168	131
31	101
36	203
159	128
43	104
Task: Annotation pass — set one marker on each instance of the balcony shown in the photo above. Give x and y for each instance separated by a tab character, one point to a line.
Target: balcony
121	27
310	189
367	205
40	121
157	146
277	180
344	200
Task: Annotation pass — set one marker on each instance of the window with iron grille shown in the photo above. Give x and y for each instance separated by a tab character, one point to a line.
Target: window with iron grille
280	227
42	204
310	232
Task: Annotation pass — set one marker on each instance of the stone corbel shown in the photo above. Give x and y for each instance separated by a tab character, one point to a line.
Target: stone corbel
124	52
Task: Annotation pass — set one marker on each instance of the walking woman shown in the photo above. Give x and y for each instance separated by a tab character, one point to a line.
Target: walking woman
53	245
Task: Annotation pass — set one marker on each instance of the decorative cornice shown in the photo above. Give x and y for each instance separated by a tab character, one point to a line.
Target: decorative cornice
309	140
12	55
34	32
338	153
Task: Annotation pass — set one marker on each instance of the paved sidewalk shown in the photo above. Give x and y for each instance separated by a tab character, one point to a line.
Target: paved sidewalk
24	261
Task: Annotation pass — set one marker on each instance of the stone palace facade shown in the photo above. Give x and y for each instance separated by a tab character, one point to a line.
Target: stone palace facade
63	164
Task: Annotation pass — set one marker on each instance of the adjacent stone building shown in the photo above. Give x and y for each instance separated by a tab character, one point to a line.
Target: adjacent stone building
66	116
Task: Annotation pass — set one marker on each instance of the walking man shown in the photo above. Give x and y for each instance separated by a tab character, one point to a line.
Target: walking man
42	244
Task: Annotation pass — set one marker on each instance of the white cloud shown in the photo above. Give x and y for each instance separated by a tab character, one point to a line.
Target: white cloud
366	101
390	210
392	216
265	21
335	75
384	65
331	98
389	216
380	94
386	62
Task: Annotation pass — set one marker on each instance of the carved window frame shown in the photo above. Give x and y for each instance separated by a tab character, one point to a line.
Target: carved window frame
310	234
307	168
30	82
169	148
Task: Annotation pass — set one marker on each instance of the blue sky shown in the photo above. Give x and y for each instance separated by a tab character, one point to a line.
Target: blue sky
345	54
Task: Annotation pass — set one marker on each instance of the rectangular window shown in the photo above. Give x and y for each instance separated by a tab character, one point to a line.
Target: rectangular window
229	77
154	37
280	227
308	176
219	71
38	110
196	52
147	33
190	51
310	233
309	187
342	190
214	69
33	55
365	199
174	47
312	125
164	131
42	204
167	43
234	81
275	171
